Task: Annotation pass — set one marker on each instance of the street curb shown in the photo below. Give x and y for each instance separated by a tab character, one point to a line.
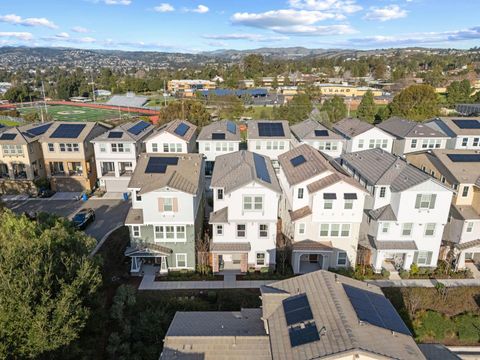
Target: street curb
104	238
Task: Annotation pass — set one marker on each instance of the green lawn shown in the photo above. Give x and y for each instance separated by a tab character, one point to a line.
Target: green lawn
77	113
259	112
9	123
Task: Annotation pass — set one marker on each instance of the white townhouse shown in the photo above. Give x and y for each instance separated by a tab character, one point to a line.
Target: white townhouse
116	153
412	136
405	213
269	138
246	193
464	133
167	212
177	136
313	133
218	138
321	210
361	135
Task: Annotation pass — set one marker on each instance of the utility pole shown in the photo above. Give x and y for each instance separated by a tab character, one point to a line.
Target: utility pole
44	100
93	86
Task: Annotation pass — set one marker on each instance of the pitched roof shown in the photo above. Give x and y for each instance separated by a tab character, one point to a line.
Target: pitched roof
351	127
392	244
253	133
305	130
172	126
332	179
385	213
331	308
437	351
231	246
450	128
185	176
60	131
300	213
236	169
220	127
23	134
404	128
124	132
306	245
379	167
134	216
219	216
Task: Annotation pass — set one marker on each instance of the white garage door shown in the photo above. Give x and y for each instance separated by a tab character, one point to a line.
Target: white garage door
117	185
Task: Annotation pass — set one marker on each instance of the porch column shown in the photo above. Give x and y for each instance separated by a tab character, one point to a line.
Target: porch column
163	264
116	164
214	262
244	262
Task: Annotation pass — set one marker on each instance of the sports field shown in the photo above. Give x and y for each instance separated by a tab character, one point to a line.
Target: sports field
77	113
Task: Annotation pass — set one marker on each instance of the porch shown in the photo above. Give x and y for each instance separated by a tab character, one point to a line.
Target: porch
309	255
151	260
229	257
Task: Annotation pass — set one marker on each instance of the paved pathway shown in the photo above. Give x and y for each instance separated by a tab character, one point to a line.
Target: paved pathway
425	282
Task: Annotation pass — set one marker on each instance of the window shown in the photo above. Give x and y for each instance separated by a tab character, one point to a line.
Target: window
263	229
342	258
165	148
425	201
154	147
407	229
170	232
385	227
207	146
300	193
159	232
269	145
179	148
51	147
118	148
360	144
348	205
334	229
413	144
138	197
136	231
430	229
180	232
345	230
469	227
220	194
12	149
260	259
383	190
258	145
328	204
324	228
371	144
424	257
476	141
181	260
219	230
252	203
301	228
241	230
281	145
384	143
167	204
465	191
464	142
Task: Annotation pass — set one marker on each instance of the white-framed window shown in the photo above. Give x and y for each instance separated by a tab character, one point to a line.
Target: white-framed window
181	260
179	148
263	230
51	147
348	204
469	227
385	227
180	229
154	147
425	201
300	193
341	258
136	231
119	147
220	194
360	143
430	229
241	230
476	141
167	204
260	259
281	145
464	142
334	230
345	230
166	148
301	228
384	143
12	149
159	232
252	203
258	145
383	190
413	143
219	230
424	257
371	144
407	229
328	204
102	146
269	145
207	146
324	229
169	232
465	191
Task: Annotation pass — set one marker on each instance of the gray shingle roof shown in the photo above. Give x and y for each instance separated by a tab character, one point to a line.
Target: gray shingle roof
236	169
385	213
450	128
305	130
379	167
351	127
219	127
403	128
185	176
252	130
219	216
392	244
172	126
232	246
23	136
125	134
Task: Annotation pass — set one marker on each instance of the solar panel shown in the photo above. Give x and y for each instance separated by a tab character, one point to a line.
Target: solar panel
8	136
182	129
298	160
138	128
375	309
321	132
39	130
261	168
115	134
270	129
218	136
303	335
464	157
158	165
467	124
297	309
231	127
68	131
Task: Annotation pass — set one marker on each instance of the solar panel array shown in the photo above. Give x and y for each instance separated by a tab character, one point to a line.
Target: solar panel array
298	160
261	168
218	136
467	124
375	309
298	314
8	136
115	134
231	127
182	129
321	133
270	129
464	157
138	127
68	131
301	336
39	130
158	165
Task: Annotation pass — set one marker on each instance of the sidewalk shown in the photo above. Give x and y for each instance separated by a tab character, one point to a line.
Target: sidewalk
424	282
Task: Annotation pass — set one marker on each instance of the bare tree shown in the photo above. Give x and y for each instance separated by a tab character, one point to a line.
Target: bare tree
202	247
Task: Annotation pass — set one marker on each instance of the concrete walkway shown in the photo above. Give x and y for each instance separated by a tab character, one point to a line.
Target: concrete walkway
424	282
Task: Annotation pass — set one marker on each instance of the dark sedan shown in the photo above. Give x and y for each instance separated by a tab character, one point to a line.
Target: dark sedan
83	218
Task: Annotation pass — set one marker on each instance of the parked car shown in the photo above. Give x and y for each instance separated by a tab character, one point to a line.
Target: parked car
83	218
45	193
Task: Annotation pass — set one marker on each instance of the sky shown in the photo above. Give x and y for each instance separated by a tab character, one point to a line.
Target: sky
206	25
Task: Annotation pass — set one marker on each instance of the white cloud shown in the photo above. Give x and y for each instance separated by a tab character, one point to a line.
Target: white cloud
80	29
87	40
118	2
17	35
246	36
341	6
63	35
200	9
164	7
18	20
386	13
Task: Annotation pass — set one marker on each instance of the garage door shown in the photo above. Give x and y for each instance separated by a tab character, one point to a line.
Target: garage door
117	185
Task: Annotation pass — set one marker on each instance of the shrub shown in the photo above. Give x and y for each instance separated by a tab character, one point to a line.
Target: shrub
414	269
265	270
385	273
433	325
404	274
468	327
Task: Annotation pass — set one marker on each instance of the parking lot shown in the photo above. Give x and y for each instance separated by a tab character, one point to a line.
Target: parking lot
109	214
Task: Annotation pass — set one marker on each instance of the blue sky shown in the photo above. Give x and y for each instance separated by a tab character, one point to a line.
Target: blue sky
203	25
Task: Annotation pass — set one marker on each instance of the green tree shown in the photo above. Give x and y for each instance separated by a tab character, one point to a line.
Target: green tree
459	92
335	108
367	108
17	94
253	66
191	110
229	107
382	114
416	102
296	110
46	282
